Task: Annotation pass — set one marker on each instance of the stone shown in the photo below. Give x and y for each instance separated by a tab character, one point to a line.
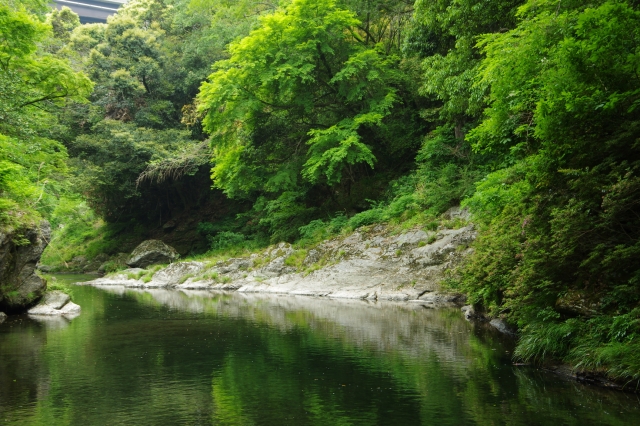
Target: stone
502	327
457	212
3	317
169	225
367	265
312	257
19	284
43	268
173	273
469	312
151	252
55	303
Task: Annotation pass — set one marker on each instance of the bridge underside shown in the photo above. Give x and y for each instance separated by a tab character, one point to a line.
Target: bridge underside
90	11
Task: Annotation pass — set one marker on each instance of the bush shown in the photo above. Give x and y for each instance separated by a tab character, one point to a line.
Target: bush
366	217
226	239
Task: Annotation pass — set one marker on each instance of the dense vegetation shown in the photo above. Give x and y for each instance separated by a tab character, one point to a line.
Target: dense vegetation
316	116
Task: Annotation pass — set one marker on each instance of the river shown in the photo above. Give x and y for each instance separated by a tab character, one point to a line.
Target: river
160	357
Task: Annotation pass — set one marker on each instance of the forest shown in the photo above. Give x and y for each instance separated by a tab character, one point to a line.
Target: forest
234	124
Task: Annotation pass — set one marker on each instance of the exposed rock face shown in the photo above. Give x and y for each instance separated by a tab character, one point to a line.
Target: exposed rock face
372	265
19	284
55	303
3	317
151	252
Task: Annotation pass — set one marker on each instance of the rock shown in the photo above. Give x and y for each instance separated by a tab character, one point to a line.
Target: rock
469	312
576	302
3	317
502	327
94	265
312	257
169	225
457	212
55	303
371	265
173	273
20	284
151	252
43	268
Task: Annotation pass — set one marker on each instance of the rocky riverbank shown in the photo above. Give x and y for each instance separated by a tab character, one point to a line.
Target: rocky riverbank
373	264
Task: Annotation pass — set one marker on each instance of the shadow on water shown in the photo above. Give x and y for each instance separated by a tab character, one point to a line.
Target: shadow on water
170	357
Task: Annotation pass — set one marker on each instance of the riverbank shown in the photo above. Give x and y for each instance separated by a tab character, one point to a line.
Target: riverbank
376	263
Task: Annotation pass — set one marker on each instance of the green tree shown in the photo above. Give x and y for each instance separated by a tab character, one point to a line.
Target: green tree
34	85
307	100
560	227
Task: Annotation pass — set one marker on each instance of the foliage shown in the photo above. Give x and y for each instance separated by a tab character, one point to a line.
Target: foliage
321	116
563	220
304	77
33	85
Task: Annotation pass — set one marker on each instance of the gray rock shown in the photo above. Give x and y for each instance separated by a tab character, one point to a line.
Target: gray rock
233	265
502	327
151	252
312	257
55	299
469	312
457	212
173	273
369	265
20	284
43	268
3	317
55	303
412	237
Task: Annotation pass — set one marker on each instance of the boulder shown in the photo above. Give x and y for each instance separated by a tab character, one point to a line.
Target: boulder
19	284
502	327
151	252
55	303
469	312
3	317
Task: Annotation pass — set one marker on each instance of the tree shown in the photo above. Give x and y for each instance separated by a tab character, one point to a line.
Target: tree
560	226
33	86
306	97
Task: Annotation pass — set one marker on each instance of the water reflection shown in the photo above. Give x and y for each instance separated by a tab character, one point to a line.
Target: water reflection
170	357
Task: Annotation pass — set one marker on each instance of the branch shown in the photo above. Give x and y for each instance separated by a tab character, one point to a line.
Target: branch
44	98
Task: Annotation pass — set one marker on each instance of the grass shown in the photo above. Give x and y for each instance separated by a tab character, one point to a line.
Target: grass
296	259
186	277
54	285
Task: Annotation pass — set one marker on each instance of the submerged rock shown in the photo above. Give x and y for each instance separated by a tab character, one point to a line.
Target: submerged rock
470	313
151	252
20	284
56	303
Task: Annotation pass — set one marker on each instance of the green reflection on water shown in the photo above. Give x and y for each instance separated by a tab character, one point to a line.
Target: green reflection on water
162	357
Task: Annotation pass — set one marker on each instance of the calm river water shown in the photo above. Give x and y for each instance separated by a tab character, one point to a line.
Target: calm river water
161	357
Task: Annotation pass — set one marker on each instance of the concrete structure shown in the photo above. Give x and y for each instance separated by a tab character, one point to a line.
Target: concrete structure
91	10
